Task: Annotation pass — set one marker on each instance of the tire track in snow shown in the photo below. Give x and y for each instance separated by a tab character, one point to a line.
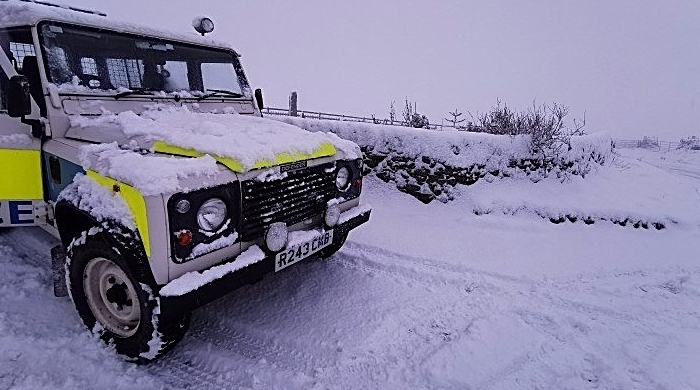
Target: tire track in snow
178	372
416	273
363	251
357	256
258	348
31	244
559	300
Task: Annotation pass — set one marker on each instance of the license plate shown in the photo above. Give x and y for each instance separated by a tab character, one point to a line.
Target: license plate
299	252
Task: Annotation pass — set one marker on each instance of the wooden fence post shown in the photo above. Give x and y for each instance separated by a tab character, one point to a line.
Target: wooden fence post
293	104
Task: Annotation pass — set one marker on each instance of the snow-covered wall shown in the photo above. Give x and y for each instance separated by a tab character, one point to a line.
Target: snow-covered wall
428	164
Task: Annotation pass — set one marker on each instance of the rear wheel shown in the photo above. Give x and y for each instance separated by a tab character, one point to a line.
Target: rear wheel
115	305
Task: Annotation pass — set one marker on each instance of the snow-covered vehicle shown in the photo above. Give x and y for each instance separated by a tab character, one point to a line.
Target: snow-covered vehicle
146	153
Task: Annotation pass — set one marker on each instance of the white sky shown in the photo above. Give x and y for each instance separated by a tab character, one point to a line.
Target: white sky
632	65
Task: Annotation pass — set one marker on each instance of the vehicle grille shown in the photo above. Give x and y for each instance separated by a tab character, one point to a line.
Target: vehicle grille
301	195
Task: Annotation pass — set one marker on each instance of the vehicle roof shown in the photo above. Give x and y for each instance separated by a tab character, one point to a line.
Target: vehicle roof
18	13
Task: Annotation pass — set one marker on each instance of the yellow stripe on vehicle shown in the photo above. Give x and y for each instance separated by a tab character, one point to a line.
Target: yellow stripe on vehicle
20	174
135	201
325	150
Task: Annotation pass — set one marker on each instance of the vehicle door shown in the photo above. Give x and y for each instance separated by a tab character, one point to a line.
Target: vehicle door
21	187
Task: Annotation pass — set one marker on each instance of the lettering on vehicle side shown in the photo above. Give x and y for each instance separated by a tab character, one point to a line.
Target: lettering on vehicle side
21	212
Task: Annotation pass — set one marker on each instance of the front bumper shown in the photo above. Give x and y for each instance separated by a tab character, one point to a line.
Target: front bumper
180	304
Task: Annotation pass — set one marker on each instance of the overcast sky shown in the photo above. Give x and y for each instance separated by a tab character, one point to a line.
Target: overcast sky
632	65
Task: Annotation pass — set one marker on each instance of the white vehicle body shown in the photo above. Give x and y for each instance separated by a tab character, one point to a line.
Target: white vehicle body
154	142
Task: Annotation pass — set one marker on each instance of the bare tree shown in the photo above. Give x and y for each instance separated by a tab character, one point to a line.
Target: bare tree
548	129
392	112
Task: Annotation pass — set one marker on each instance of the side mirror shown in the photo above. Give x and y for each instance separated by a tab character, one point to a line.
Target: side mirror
259	99
19	101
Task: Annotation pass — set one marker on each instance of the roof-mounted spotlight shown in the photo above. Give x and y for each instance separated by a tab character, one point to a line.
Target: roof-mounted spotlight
203	25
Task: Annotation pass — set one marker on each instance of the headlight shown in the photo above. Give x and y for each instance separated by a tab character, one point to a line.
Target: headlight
212	214
342	178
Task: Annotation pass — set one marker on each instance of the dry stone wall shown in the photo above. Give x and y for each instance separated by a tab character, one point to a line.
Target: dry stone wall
429	164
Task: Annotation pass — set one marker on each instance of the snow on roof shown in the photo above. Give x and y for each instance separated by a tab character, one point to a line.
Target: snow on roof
16	13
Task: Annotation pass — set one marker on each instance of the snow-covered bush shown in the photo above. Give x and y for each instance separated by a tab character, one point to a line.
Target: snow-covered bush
412	118
429	164
547	126
692	143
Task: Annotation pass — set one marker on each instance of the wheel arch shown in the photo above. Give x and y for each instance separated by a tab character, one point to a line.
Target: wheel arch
72	222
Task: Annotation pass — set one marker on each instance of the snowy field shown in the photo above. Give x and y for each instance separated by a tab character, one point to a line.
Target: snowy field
480	293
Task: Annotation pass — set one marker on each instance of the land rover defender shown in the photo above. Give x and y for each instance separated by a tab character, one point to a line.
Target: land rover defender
147	155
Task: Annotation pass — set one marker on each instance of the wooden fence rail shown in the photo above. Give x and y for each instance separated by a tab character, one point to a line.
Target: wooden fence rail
646	142
347	118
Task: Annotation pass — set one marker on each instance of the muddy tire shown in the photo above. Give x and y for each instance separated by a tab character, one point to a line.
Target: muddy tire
114	304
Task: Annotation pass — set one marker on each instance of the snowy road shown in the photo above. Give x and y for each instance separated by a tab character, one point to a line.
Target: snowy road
423	297
371	318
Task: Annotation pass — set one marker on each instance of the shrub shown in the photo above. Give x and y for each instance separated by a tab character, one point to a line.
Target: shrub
412	118
545	124
692	143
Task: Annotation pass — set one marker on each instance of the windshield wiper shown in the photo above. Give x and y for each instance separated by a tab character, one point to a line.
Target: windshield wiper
219	92
133	91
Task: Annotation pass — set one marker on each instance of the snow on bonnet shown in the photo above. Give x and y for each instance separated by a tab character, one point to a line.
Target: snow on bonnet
245	139
149	174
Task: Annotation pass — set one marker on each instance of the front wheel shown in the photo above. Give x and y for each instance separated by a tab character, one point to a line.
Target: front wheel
115	305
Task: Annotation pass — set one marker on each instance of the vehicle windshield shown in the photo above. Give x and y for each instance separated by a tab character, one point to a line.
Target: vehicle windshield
87	60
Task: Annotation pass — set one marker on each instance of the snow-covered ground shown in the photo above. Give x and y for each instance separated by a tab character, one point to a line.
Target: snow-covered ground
683	161
423	297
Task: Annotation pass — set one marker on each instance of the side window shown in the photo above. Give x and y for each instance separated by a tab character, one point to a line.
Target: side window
17	44
19	51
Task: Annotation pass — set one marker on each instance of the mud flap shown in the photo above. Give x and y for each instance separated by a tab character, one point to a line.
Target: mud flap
58	266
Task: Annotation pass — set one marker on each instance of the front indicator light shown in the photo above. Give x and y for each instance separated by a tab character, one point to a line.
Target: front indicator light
358	183
184	237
